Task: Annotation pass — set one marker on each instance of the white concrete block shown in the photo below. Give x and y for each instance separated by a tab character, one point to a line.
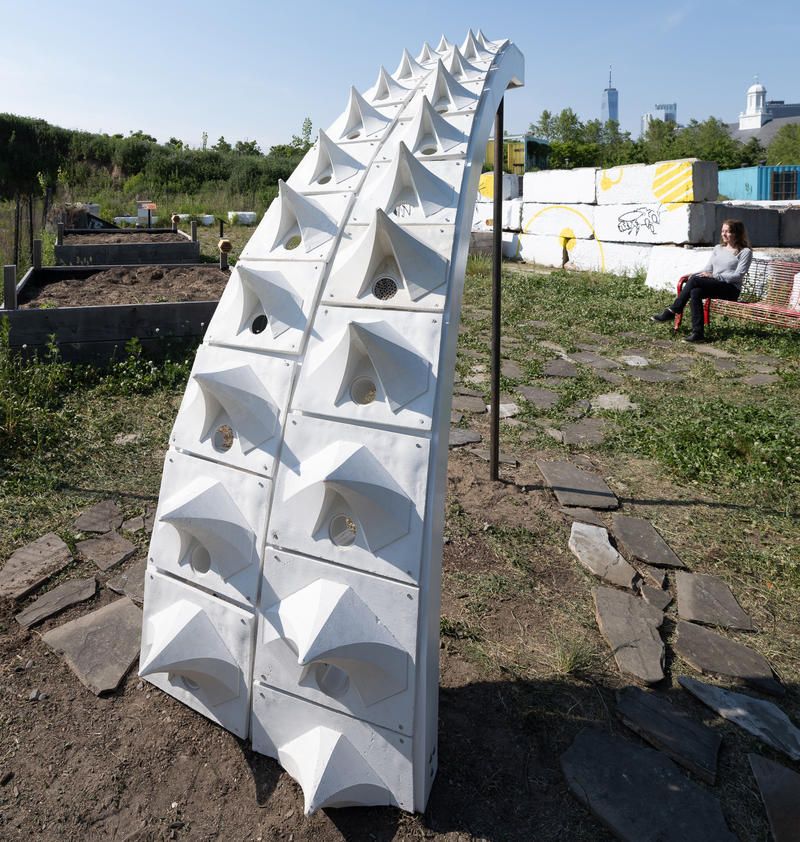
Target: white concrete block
570	221
486	187
483	216
687	180
205	219
242	217
511	245
689	222
126	220
542	249
669	263
616	258
565	187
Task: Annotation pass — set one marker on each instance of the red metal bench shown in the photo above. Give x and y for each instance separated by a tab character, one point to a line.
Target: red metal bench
770	294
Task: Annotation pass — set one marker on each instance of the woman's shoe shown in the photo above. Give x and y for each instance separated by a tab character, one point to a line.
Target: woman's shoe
695	337
665	316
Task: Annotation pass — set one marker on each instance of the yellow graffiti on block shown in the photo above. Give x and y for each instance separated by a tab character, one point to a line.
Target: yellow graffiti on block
567	235
486	185
567	238
606	182
673	183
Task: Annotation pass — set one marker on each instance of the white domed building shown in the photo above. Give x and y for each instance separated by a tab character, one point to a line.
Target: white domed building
762	117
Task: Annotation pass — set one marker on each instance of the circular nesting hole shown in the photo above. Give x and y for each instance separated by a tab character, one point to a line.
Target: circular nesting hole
223	438
292	242
429	150
259	324
323	179
384	288
331	680
189	684
200	560
441	106
342	530
362	391
353	135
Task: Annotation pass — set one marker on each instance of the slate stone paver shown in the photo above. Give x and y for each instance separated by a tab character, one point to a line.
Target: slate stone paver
613	401
764	359
465	390
540	398
574	487
504	458
102	517
639	793
711	653
459	437
469	403
583	515
654	574
584	433
552	346
688	742
504	410
758	717
678	365
657	597
610	377
640	541
510	369
635	361
654	375
455	417
106	550
130	582
579	409
560	368
590	545
60	597
595	360
32	565
631	626
780	792
760	380
102	646
707	599
711	351
724	365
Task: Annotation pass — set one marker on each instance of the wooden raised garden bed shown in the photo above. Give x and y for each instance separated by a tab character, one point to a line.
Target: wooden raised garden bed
125	247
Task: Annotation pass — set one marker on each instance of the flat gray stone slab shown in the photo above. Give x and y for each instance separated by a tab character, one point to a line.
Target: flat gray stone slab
686	741
758	717
780	792
679	364
504	458
613	402
459	437
639	793
631	626
560	368
505	410
711	351
102	517
102	646
641	542
130	582
510	369
707	599
594	360
106	550
657	597
654	574
654	375
465	390
590	545
553	346
586	432
574	487
59	598
32	565
579	409
455	417
469	403
540	398
610	377
726	366
635	361
760	380
711	653
583	515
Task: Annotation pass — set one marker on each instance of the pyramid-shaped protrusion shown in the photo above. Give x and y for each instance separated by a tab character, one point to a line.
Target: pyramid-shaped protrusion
427	54
356	481
443	46
205	513
245	400
186	645
472	50
332	772
386	89
429	133
361	119
278	298
409	68
333	163
446	94
303	217
377	350
388	250
460	68
408	183
328	623
491	46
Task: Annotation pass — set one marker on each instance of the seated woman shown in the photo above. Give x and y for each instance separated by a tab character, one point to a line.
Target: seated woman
721	278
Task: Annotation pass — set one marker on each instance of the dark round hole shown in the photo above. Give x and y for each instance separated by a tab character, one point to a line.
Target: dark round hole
200	560
324	179
353	135
293	242
362	391
342	530
331	680
384	288
223	438
259	324
428	150
189	684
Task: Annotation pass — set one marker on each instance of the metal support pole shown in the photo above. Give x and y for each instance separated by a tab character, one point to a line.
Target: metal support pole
60	234
221	228
10	288
37	254
497	254
193	228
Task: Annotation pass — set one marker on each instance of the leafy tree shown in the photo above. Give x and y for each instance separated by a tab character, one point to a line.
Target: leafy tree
140	135
785	146
175	143
247	147
222	145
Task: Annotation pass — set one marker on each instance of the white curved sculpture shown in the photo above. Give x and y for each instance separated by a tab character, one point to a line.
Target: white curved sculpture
293	580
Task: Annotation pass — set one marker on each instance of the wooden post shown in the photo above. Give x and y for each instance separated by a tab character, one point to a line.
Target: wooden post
497	255
10	288
60	234
224	247
194	230
221	228
149	218
37	254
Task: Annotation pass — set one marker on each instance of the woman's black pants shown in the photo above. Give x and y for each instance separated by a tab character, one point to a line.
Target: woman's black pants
695	290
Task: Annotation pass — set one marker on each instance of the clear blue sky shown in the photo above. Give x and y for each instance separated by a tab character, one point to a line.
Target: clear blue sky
254	70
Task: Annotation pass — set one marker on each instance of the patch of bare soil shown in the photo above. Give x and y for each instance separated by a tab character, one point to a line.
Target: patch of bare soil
130	285
105	237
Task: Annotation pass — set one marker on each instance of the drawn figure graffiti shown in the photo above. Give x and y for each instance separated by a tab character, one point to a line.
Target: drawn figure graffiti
634	220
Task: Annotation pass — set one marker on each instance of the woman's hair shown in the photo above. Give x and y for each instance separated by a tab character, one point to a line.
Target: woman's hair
738	233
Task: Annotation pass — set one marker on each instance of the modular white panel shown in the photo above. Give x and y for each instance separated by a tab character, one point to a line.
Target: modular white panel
339	638
198	649
667	182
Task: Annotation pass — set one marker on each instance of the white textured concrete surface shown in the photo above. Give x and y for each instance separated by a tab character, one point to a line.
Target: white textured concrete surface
558	219
655	223
483	217
668	263
542	249
568	187
687	180
617	258
486	187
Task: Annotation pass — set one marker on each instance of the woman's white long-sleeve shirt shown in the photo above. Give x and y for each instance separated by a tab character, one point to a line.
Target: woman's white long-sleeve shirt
726	266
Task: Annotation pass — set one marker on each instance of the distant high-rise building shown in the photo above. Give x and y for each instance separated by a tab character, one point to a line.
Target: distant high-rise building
609	107
667	112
